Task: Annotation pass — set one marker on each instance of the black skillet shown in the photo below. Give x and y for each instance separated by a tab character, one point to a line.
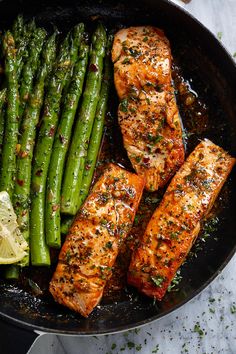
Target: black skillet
212	73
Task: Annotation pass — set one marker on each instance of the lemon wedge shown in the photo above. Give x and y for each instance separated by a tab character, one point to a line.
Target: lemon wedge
13	247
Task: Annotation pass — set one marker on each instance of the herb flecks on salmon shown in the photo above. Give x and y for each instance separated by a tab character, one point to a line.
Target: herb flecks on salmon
91	247
175	224
148	113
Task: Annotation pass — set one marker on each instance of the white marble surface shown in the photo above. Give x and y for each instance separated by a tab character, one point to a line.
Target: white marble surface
214	310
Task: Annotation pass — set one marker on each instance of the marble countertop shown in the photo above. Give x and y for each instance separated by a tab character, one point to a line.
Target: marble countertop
207	324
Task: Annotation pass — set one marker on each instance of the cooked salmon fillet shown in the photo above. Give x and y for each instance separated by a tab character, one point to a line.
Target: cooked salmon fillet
176	222
91	247
148	114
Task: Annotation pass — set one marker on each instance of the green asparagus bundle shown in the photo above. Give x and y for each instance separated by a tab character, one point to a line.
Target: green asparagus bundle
97	132
27	140
33	161
42	153
8	166
79	145
10	139
18	29
75	38
96	136
30	67
60	147
2	116
23	46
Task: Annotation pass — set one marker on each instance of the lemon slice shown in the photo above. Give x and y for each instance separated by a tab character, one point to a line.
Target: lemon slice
13	246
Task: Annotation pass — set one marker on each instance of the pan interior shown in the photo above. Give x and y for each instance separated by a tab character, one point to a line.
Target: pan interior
211	74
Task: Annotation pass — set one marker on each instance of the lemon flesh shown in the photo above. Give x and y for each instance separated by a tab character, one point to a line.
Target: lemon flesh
13	247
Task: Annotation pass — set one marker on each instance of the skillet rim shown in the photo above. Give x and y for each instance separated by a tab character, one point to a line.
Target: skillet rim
118	329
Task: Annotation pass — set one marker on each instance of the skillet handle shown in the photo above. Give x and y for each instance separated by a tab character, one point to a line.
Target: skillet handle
15	340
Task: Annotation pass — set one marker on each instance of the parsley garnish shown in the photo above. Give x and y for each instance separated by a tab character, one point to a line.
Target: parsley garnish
233	309
155	350
113	346
158	280
219	35
124	105
109	244
126	61
198	330
130	345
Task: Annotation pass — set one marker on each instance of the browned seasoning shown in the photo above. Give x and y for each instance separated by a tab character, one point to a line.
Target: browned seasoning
148	114
91	247
175	224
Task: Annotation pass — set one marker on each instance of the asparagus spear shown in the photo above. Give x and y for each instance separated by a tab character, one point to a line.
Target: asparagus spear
27	140
2	114
8	167
98	125
18	29
22	46
42	153
30	67
75	40
60	147
96	135
66	223
79	145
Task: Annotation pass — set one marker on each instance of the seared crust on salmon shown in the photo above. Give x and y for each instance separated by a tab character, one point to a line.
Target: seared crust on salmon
91	247
176	222
148	114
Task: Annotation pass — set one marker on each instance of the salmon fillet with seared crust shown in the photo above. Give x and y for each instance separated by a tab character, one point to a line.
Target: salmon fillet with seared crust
175	224
91	247
148	114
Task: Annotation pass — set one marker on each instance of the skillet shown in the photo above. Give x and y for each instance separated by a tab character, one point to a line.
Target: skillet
212	74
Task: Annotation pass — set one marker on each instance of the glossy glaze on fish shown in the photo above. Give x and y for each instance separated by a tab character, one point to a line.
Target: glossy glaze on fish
91	247
175	224
148	114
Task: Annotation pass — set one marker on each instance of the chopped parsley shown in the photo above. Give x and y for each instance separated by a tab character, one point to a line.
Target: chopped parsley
198	330
158	280
174	235
130	345
155	350
103	222
175	282
219	35
68	256
113	346
136	220
124	105
154	138
233	309
126	61
109	244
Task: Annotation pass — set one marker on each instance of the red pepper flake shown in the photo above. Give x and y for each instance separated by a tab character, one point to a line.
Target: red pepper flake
55	207
146	160
52	131
24	212
21	182
87	167
46	110
23	154
62	139
39	173
93	68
